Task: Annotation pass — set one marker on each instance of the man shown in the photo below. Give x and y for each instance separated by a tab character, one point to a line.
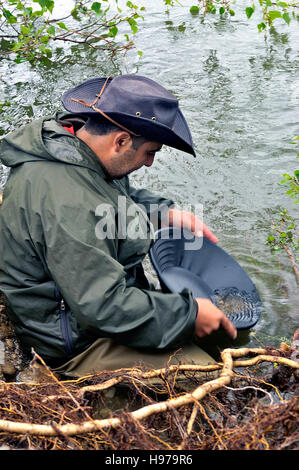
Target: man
76	293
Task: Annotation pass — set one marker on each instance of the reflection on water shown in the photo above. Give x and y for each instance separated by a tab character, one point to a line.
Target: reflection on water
240	96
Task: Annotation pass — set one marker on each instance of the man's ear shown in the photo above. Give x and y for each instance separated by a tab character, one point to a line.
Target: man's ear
122	140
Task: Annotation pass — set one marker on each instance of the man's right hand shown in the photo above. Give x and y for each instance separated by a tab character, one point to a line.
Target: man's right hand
210	318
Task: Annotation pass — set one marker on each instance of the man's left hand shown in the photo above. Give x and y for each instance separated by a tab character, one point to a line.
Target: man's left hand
184	219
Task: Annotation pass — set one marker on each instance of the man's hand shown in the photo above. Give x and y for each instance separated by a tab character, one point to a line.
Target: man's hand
184	219
210	318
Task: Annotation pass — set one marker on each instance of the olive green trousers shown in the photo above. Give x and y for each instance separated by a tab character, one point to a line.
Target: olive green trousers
106	354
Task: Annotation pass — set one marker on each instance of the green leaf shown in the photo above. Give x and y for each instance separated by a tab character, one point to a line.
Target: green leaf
44	39
249	12
113	30
194	10
25	29
27	11
9	16
75	14
51	30
17	45
96	7
48	4
261	27
211	8
140	53
231	12
286	18
296	173
131	5
62	25
133	25
273	14
221	10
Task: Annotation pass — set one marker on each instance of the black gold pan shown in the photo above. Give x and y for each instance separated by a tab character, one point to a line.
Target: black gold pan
182	260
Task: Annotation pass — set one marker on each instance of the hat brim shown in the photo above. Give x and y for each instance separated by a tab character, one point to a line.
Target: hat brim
178	137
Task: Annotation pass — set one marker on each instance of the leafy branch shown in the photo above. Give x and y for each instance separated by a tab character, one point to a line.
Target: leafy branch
292	181
270	11
286	238
28	29
213	6
285	234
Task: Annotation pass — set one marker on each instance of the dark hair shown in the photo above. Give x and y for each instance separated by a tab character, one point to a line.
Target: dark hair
100	126
104	127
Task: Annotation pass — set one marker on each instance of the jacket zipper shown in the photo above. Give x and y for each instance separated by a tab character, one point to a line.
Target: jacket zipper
66	330
65	325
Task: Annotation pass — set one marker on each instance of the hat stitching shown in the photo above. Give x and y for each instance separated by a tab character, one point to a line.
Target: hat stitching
92	105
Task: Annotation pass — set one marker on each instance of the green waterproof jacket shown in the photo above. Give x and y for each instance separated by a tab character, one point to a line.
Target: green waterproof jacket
52	221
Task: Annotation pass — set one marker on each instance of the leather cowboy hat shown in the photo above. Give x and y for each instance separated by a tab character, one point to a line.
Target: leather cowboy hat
136	104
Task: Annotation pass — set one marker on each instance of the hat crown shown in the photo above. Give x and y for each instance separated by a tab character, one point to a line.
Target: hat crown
141	97
134	103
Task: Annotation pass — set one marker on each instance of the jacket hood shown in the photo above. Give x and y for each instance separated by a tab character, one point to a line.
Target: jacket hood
46	139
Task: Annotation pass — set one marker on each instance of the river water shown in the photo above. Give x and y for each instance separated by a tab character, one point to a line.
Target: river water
240	96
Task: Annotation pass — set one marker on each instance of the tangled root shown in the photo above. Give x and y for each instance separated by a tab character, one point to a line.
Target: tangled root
125	409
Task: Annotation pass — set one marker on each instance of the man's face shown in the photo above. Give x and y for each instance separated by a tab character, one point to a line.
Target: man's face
128	159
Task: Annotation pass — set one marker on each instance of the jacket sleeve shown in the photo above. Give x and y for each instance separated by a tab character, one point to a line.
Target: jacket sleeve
93	282
154	205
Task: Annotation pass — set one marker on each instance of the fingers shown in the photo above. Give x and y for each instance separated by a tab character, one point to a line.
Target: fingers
207	233
210	318
191	222
229	327
196	226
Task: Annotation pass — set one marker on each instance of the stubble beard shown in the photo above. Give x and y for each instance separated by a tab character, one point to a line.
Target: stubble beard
121	165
